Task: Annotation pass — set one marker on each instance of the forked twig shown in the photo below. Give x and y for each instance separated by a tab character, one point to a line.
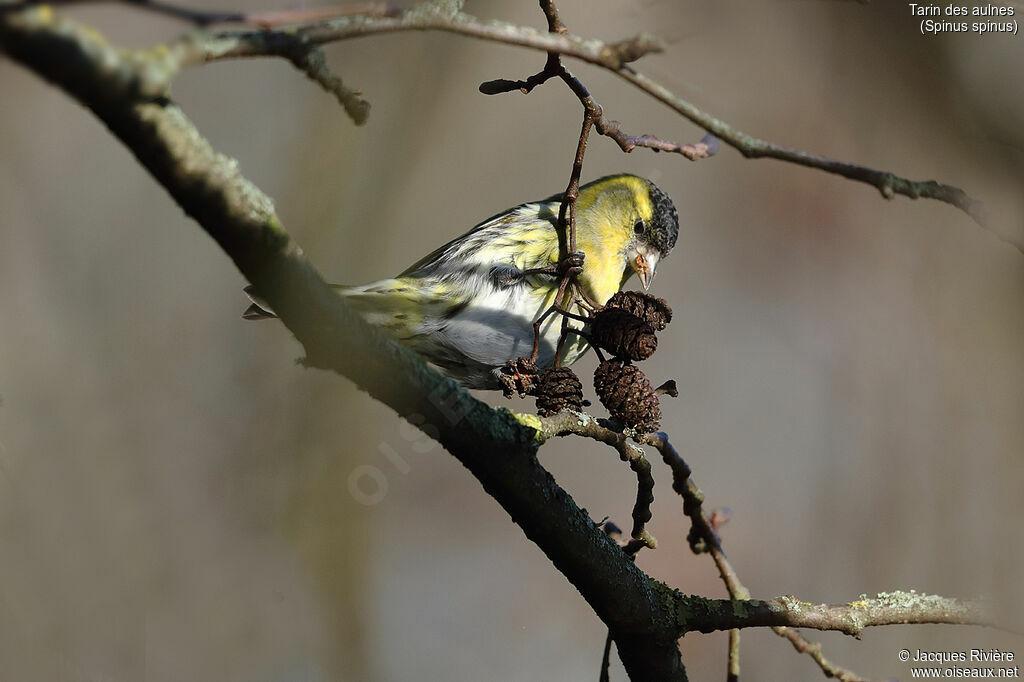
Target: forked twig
704	538
613	56
571	295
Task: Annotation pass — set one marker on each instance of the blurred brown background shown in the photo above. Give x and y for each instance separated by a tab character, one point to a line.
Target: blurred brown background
174	490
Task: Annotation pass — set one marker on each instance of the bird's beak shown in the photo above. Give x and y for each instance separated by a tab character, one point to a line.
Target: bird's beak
644	262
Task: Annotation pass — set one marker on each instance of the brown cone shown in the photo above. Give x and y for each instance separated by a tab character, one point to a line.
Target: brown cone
518	376
623	334
653	311
628	395
558	388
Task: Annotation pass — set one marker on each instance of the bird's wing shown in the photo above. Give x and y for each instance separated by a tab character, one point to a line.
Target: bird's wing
522	237
418	311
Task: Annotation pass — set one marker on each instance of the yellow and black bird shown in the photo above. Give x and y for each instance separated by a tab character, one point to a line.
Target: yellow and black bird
470	306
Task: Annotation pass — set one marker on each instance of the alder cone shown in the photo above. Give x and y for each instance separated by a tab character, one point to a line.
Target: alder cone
627	394
518	376
623	334
557	389
654	311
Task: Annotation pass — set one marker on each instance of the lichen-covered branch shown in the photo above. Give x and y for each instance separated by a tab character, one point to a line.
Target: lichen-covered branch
616	57
888	608
495	445
127	90
613	56
434	16
704	538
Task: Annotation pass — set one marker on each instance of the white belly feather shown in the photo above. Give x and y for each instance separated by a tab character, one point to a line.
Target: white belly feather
497	327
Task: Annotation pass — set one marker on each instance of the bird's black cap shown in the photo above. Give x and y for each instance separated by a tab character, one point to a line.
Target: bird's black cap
664	229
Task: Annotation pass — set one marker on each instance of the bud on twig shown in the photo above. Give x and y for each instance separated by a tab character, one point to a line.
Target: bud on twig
668	388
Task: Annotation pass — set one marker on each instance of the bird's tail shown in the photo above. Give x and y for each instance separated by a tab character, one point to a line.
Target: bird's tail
261	310
398	306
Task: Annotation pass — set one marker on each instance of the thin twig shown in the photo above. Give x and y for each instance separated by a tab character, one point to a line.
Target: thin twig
612	56
606	659
197	17
270	19
644	496
584	424
572	192
563	336
194	16
887	608
571	261
733	663
313	63
300	15
707	147
233	44
501	85
703	537
850	618
813	649
752	147
555	24
704	529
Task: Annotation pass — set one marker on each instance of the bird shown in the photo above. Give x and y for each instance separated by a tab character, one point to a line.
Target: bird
470	306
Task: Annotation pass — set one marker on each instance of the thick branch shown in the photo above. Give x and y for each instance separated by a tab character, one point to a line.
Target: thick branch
426	17
704	538
612	56
496	446
440	16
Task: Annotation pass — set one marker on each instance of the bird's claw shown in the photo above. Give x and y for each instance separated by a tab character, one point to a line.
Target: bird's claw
572	264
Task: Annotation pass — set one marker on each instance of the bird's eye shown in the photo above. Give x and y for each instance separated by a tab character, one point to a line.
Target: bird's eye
638	226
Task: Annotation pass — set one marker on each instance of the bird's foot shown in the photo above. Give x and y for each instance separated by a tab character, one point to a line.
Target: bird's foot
518	376
572	264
